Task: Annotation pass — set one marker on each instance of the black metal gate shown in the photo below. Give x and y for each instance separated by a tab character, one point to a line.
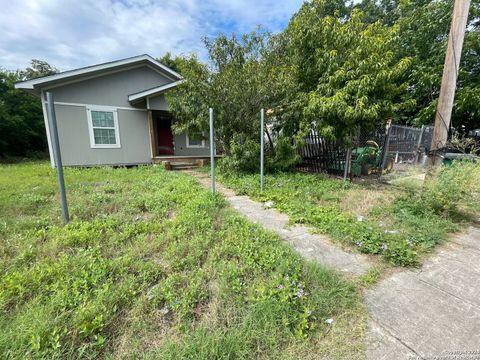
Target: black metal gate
320	154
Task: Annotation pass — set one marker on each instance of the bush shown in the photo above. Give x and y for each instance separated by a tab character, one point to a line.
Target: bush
451	186
245	156
284	158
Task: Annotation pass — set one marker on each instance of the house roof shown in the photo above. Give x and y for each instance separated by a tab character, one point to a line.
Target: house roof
34	85
153	91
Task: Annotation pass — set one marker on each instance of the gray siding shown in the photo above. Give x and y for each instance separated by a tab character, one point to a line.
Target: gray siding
75	139
112	89
180	141
158	103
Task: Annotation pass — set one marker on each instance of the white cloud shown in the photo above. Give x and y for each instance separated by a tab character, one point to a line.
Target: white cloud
70	34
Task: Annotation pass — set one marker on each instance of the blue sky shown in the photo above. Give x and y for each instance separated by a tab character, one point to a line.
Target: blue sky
70	34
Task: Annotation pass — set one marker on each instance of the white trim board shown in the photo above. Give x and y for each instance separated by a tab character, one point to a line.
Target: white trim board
154	91
92	105
47	128
202	146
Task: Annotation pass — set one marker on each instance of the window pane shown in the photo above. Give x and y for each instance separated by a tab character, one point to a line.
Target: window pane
102	118
104	136
195	140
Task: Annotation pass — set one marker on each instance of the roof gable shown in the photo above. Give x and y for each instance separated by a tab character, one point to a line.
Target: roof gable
34	85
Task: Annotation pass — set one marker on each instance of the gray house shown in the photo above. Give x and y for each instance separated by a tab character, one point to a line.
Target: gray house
116	114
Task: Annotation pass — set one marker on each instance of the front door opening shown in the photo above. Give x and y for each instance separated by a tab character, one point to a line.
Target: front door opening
164	135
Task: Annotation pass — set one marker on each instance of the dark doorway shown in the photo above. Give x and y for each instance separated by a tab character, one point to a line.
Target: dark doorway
164	139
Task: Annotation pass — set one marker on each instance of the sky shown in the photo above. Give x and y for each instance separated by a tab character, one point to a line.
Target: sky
71	34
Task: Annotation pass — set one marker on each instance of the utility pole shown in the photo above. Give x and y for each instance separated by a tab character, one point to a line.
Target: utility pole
449	80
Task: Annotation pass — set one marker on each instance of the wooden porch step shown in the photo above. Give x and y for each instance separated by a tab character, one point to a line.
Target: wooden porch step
183	165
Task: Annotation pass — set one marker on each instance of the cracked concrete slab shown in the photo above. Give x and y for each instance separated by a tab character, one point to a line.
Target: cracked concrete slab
430	311
318	248
381	345
311	246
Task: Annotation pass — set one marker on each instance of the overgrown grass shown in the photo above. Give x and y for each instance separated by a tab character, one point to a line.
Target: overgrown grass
153	266
398	225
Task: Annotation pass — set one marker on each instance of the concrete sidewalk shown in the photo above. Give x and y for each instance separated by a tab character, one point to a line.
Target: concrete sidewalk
311	246
432	312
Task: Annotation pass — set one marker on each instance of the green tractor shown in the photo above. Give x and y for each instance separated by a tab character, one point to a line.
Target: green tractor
367	160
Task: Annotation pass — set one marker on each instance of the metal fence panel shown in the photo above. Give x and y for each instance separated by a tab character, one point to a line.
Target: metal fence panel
320	154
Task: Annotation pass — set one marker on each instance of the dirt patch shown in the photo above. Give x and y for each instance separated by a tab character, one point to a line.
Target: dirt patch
171	214
144	216
360	201
154	332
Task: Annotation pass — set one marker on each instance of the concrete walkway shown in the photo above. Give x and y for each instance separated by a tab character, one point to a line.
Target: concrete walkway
311	246
432	312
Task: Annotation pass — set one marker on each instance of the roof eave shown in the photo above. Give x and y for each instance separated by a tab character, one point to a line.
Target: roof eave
68	75
154	92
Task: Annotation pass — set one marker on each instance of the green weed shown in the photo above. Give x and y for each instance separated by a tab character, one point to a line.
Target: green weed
398	231
152	265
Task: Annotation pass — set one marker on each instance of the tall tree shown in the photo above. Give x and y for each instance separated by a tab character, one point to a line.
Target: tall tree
235	82
347	70
424	26
22	129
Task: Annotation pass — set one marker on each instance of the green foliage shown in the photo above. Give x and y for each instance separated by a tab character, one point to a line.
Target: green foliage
234	83
372	276
424	25
244	156
22	130
348	73
334	68
326	70
452	186
152	265
174	63
399	233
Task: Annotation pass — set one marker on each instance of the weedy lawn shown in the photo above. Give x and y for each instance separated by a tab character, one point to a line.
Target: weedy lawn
399	224
153	266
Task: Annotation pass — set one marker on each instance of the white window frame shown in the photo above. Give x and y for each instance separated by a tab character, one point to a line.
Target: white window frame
91	127
202	146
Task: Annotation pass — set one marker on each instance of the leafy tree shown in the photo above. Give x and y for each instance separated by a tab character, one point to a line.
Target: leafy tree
22	129
424	27
234	82
174	63
347	71
242	76
326	69
37	68
337	66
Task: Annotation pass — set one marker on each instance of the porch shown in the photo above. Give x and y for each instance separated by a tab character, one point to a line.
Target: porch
167	146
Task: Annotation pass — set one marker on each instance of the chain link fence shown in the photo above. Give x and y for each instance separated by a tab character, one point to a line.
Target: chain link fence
405	153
